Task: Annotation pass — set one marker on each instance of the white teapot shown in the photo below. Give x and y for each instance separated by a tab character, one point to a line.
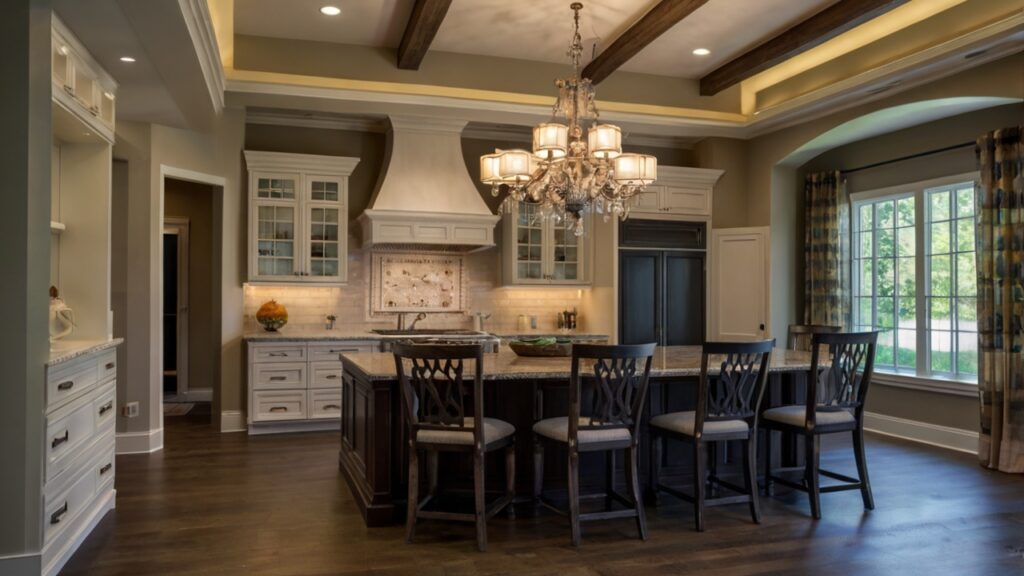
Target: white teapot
62	319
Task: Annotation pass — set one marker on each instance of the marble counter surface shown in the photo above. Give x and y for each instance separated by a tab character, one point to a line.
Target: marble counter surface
64	350
506	365
287	334
507	335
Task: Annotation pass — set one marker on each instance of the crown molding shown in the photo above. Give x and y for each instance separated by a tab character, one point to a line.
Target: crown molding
314	120
204	40
287	162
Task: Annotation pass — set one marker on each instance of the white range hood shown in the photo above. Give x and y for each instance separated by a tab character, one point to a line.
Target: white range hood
425	198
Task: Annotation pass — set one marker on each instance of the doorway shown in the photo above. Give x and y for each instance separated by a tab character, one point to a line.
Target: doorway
189	299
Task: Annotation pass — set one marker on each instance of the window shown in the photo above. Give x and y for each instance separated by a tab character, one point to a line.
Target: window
914	277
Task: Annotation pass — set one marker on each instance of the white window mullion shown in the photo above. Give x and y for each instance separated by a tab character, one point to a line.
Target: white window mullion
923	286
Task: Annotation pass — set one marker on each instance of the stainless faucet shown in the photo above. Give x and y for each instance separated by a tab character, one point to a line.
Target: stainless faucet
401	320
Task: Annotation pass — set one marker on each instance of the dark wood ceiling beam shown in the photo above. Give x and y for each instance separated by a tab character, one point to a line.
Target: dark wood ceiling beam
653	24
818	29
424	22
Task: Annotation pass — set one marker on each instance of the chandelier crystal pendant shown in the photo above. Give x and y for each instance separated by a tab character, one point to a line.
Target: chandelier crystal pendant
569	172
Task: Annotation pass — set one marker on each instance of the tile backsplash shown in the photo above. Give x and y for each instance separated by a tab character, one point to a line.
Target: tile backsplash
308	305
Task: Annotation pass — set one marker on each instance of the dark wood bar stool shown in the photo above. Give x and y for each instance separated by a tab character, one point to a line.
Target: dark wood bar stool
617	376
800	335
834	403
434	396
727	409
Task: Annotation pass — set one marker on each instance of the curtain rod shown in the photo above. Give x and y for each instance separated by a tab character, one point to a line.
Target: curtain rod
911	157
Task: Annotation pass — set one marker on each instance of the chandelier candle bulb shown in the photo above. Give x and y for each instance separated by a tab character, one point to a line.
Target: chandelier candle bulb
605	141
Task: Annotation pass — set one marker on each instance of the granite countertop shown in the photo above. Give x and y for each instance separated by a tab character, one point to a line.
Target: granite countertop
506	365
516	335
310	334
64	350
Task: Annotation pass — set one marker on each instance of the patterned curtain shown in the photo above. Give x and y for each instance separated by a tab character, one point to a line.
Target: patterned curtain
826	250
1000	200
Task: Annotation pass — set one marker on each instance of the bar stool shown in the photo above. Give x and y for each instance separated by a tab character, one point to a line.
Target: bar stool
434	391
617	377
834	403
727	409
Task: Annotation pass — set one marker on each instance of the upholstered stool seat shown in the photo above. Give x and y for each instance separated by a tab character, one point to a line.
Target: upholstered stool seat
684	422
494	430
796	415
558	429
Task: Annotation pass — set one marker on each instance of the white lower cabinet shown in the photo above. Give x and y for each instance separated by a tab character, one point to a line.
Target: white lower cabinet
295	386
78	487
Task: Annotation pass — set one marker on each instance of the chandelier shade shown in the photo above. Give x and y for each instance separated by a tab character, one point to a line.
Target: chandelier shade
577	165
605	141
550	140
636	169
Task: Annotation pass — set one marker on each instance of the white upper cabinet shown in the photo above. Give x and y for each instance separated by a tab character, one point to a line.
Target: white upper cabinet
538	251
298	217
81	88
680	193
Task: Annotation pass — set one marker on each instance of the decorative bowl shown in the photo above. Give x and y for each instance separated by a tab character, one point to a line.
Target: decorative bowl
532	348
272	316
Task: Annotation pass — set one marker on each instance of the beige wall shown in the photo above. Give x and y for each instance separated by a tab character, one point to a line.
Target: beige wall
194	202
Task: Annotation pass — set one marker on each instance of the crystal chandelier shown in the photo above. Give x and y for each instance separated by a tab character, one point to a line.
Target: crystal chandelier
568	175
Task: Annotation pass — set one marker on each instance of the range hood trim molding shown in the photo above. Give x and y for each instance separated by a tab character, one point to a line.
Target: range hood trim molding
384	229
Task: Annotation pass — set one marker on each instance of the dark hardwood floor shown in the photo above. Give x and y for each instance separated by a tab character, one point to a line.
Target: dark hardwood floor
229	504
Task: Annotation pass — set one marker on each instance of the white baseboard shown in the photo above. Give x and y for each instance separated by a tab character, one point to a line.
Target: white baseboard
22	564
232	421
140	442
923	432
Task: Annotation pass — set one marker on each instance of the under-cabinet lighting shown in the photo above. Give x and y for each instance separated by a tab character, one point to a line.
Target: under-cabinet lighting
127	59
330	10
108	95
701	52
63	50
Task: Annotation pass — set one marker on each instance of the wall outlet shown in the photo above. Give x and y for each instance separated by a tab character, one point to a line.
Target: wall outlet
130	410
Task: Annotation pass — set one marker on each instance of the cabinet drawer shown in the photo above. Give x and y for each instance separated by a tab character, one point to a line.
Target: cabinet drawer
280	353
69	381
273	405
289	376
325	375
65	435
104	407
66	503
103	469
332	352
324	404
106	366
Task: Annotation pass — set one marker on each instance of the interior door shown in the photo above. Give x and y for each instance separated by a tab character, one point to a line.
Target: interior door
639	296
684	299
739	284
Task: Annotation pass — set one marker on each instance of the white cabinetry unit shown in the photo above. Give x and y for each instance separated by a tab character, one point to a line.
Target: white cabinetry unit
296	386
80	87
544	252
78	476
298	217
680	193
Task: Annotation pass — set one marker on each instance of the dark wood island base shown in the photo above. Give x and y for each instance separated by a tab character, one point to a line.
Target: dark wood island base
373	457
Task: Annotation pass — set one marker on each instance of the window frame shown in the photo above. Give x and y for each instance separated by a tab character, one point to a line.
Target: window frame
922	377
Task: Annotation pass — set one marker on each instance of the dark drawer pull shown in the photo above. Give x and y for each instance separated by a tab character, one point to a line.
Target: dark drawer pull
278	354
106	407
278	409
332	407
65	385
331	377
278	378
109	366
60	439
56	516
106	468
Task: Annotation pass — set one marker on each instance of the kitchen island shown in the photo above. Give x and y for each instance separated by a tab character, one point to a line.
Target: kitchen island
520	390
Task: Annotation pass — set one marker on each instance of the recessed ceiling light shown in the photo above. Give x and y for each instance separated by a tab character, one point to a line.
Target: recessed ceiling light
701	52
127	59
330	10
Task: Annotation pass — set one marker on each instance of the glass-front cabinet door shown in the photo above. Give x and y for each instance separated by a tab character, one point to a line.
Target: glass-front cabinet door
543	251
326	215
276	226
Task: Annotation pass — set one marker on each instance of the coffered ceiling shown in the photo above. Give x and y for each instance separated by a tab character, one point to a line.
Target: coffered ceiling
537	30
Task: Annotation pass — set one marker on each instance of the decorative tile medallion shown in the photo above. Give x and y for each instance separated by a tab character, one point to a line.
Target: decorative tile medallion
412	282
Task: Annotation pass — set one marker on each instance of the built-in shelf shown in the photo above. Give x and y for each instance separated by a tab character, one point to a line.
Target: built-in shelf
57	227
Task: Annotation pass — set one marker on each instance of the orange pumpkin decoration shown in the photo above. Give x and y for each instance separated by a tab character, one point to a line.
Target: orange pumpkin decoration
272	316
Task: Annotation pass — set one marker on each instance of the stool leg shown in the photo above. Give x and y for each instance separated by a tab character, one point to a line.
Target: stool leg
750	475
862	468
657	445
634	486
811	473
538	469
414	490
768	432
481	504
510	479
574	497
699	483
